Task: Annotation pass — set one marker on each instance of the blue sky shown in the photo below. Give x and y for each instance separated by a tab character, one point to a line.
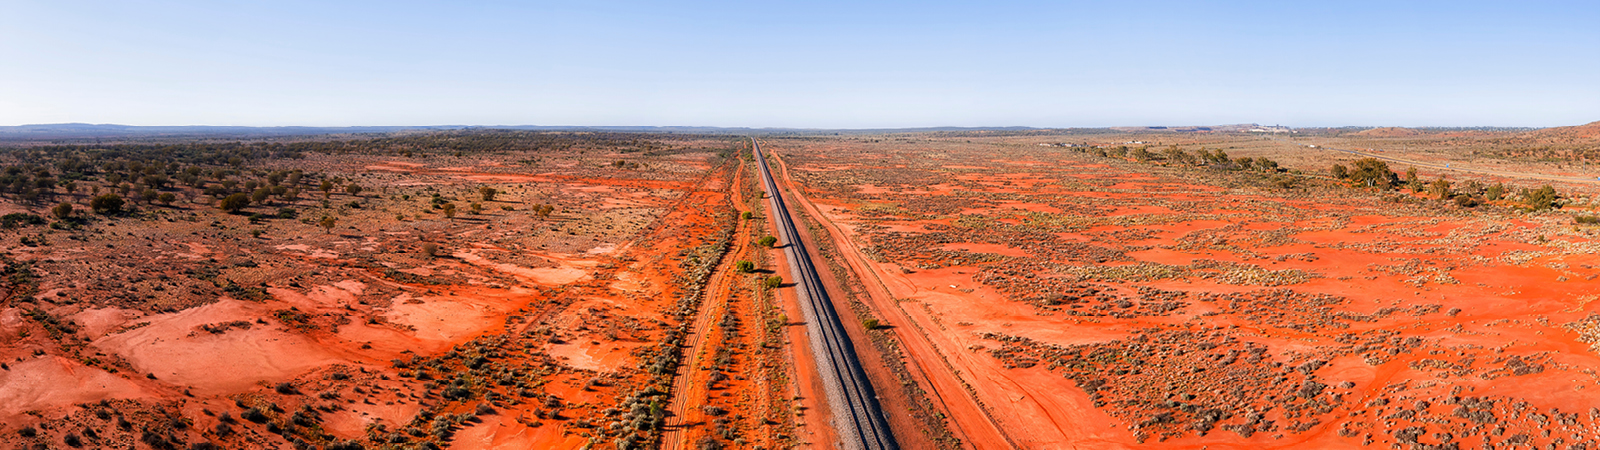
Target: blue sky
800	64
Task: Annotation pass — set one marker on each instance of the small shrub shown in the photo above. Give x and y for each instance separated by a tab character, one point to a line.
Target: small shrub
773	282
346	445
870	323
745	266
767	241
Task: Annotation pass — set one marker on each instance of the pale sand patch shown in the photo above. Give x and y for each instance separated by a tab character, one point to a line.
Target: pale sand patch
322	297
310	252
48	382
604	357
437	319
97	322
351	419
628	281
505	432
550	276
217	363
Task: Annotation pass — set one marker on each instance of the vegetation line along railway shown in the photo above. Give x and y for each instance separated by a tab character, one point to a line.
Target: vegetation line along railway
858	418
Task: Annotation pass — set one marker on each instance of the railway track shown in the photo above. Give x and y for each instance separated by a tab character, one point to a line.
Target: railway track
858	418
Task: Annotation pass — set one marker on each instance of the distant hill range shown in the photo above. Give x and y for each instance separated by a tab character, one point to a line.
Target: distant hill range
1589	130
79	132
86	131
1236	128
1390	132
59	131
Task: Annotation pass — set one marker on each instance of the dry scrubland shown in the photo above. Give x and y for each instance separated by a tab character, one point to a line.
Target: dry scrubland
497	289
374	293
1093	297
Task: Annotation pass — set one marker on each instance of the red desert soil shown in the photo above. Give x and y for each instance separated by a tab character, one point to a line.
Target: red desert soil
494	289
518	290
1174	313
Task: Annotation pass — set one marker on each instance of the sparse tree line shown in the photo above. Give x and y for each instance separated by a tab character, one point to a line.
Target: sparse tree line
1375	174
1217	159
1370	173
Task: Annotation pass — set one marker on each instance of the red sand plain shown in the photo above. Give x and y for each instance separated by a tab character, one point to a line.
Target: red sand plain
526	331
1168	313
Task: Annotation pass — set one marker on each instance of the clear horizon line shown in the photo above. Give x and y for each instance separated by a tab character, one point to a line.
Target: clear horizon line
782	127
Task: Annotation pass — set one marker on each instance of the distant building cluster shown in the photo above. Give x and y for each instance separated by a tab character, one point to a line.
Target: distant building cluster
1271	129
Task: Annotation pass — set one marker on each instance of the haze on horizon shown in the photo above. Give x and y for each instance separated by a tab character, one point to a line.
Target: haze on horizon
802	65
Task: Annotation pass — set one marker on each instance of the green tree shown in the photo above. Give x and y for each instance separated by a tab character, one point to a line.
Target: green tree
1496	192
767	241
327	223
1175	154
108	204
1540	199
488	193
772	282
476	208
1339	171
449	210
352	189
1372	172
745	266
260	195
1440	187
235	202
1142	154
62	211
166	198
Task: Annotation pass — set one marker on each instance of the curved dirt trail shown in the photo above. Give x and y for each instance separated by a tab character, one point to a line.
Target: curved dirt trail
688	387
